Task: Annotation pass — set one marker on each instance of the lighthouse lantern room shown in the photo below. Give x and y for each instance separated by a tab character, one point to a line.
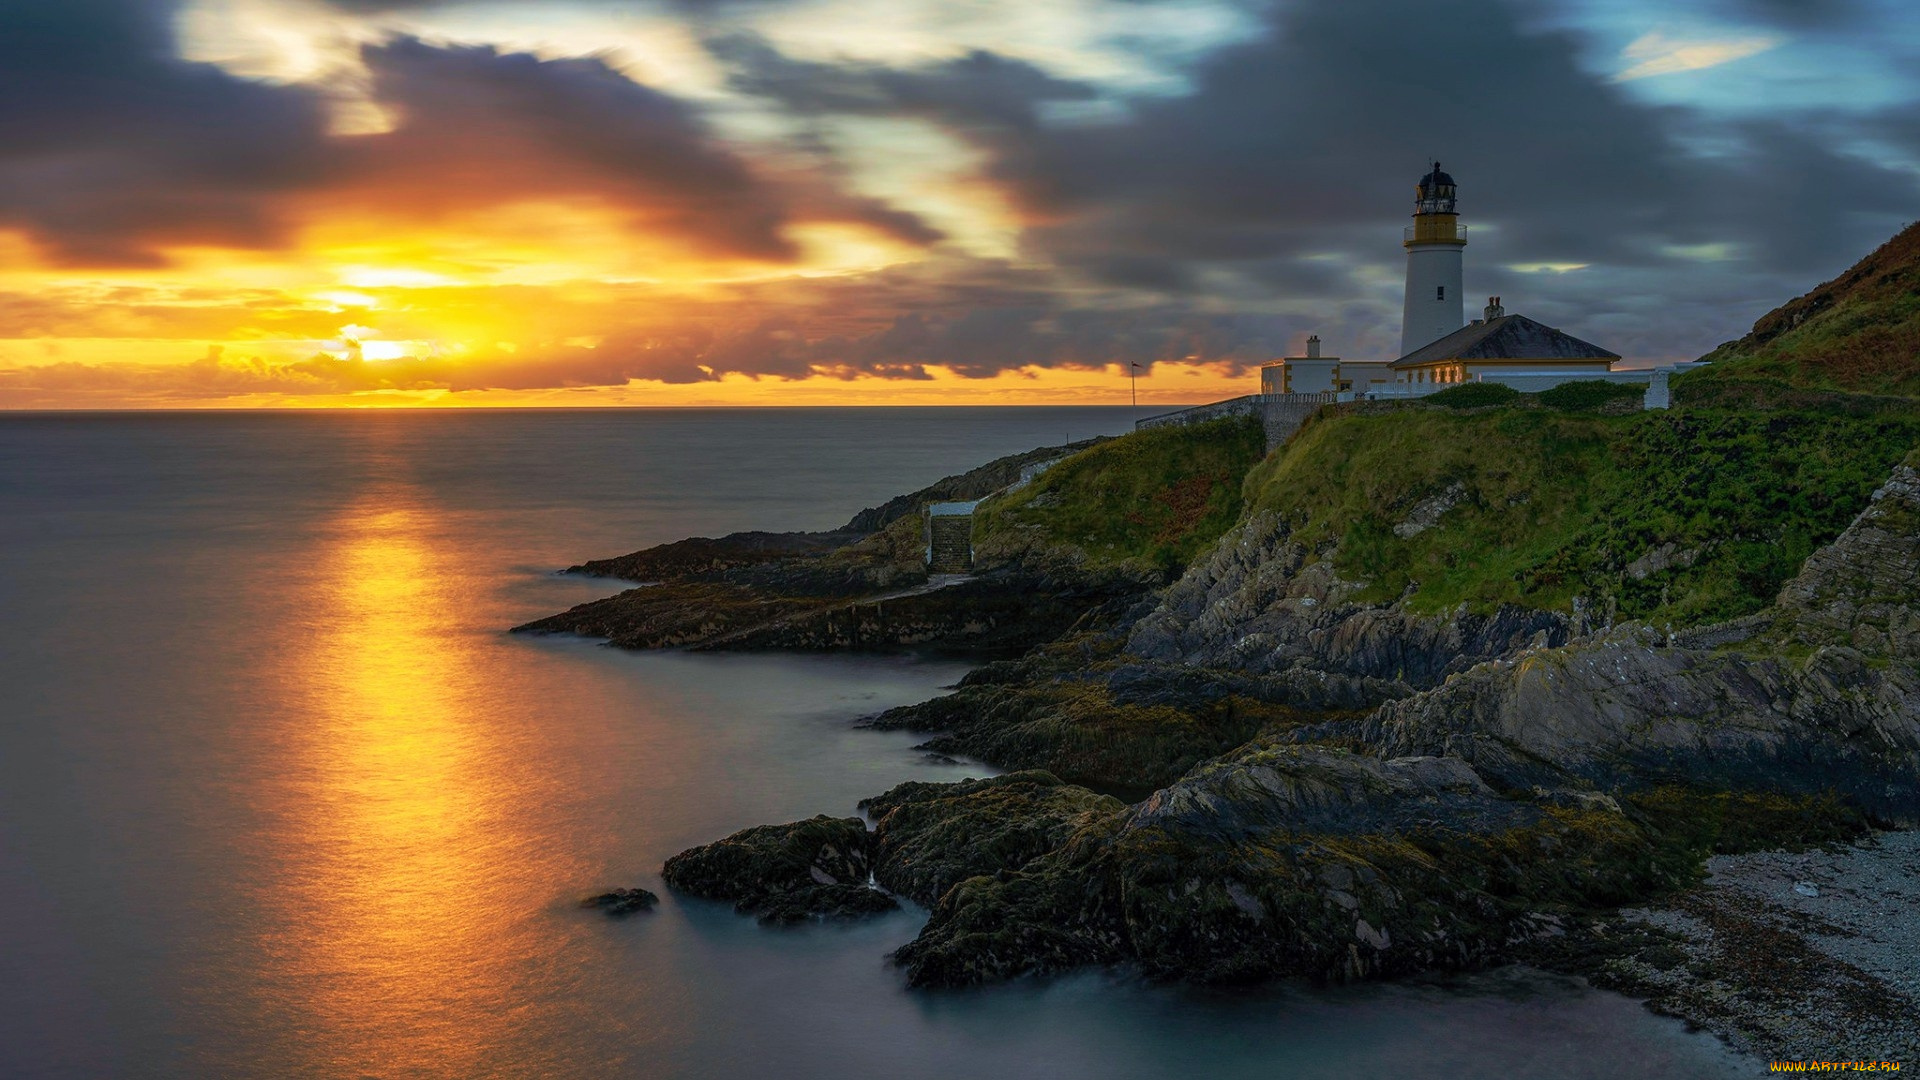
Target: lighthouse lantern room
1435	305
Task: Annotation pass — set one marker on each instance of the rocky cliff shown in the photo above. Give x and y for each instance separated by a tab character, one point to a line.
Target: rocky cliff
1450	825
1502	774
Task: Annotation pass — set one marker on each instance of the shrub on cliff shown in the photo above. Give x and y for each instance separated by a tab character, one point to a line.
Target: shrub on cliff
1476	395
1590	395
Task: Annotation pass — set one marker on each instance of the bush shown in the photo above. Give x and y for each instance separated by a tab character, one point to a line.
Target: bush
1589	395
1475	395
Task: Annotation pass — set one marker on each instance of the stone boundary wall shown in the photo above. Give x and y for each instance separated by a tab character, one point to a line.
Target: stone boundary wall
1280	414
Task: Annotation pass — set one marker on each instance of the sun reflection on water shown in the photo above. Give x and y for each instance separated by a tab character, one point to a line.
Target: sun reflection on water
402	816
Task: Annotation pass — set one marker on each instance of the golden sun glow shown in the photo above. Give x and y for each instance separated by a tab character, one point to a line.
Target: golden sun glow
402	798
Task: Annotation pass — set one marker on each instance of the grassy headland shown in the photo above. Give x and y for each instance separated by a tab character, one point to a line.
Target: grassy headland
1156	498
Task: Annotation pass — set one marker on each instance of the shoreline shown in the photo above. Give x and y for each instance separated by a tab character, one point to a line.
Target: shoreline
1810	955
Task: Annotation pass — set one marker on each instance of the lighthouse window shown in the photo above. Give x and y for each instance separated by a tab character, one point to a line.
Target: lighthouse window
1442	293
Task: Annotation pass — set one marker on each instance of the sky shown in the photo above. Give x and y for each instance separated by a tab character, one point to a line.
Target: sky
303	203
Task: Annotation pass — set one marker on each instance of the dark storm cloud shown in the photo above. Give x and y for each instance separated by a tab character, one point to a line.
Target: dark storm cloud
478	126
112	148
979	90
109	144
1293	161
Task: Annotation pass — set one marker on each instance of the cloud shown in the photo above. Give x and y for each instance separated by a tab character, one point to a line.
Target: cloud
1220	223
118	150
115	147
1654	53
1279	184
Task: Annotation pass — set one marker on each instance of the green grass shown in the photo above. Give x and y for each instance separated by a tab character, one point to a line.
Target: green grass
1158	497
1554	505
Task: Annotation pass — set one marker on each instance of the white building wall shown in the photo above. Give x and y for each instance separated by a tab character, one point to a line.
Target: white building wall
1435	303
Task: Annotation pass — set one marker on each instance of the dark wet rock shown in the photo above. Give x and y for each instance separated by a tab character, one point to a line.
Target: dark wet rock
621	902
700	555
817	868
1116	723
933	836
1293	861
671	616
996	614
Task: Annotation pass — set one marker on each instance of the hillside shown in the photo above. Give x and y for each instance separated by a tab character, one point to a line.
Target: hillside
1859	332
1676	517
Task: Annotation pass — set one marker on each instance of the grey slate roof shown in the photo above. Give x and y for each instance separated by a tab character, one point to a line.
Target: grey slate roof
1509	337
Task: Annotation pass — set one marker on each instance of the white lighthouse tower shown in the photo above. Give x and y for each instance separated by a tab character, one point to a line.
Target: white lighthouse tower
1434	243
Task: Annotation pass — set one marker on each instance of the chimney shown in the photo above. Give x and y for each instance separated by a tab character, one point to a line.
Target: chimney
1494	310
1313	347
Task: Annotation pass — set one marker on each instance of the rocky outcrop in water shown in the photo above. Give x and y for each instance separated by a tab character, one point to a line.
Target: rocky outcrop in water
1088	712
928	838
851	589
1285	860
818	868
622	902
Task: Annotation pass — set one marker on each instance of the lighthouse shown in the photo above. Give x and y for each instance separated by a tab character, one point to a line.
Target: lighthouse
1434	242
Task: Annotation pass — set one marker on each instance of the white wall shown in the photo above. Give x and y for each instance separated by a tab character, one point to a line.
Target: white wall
1428	315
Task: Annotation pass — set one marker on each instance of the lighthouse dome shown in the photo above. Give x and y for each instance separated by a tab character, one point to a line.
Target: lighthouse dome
1436	193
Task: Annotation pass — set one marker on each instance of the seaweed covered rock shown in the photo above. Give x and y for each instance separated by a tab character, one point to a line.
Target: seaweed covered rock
815	868
1295	861
933	836
1119	723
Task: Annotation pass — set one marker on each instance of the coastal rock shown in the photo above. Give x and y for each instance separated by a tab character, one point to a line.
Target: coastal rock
1819	694
931	837
997	614
1291	861
1094	717
1469	819
1263	603
702	555
621	902
1863	590
817	868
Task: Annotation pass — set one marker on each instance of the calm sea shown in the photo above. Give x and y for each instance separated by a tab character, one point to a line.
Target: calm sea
279	797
